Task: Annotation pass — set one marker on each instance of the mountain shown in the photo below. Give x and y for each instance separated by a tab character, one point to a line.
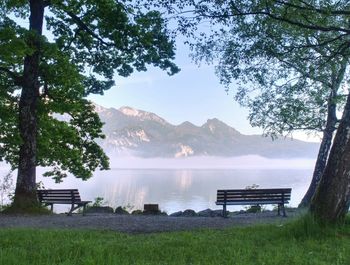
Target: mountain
144	134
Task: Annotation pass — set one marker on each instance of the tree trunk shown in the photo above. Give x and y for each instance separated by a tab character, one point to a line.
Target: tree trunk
319	168
332	198
25	196
331	122
323	151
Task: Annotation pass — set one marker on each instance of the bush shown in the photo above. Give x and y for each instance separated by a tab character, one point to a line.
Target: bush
254	209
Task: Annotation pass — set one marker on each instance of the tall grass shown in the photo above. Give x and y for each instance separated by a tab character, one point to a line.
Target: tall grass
300	242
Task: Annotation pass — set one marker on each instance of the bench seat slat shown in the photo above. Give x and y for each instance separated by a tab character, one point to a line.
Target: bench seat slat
251	201
62	196
256	190
278	196
252	195
64	202
59	190
59	194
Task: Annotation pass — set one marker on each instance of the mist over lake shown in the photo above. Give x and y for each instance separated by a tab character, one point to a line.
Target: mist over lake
186	184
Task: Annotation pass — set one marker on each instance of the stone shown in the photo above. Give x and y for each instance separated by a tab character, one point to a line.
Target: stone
120	210
210	213
189	213
176	214
136	212
218	213
205	213
99	209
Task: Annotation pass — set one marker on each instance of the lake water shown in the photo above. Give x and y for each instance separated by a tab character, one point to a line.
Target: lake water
180	189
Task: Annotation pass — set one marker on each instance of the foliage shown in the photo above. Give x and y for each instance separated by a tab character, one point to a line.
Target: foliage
85	43
253	209
129	207
6	190
286	60
98	202
252	187
267	244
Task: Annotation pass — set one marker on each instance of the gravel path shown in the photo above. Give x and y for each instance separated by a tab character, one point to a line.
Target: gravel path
138	223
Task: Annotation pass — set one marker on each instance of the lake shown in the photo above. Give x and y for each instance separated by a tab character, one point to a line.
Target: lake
180	189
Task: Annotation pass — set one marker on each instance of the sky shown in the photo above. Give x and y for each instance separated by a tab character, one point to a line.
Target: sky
194	94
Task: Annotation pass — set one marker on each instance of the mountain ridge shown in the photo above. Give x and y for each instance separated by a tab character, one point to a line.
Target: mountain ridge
145	134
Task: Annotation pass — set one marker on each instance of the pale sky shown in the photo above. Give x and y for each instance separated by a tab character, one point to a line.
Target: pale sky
194	95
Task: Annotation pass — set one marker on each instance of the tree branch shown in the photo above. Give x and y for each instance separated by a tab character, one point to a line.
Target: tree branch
84	27
238	12
309	7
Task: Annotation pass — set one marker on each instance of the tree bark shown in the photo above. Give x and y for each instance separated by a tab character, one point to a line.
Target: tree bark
332	198
323	152
25	195
331	123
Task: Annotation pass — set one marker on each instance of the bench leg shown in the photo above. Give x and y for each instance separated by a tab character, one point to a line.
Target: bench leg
284	211
71	210
224	213
84	208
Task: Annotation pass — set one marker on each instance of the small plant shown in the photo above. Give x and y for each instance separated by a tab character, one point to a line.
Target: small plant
254	209
252	187
128	207
6	190
98	202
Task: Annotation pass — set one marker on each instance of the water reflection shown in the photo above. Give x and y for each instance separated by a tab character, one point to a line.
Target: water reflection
183	179
176	190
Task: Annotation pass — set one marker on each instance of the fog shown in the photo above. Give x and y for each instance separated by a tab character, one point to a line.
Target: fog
204	162
241	162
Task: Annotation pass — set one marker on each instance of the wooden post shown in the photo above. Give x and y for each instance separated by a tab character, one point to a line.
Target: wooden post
284	210
224	207
151	208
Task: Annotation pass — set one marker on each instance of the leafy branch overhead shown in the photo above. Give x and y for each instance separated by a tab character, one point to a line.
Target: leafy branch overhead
84	45
286	60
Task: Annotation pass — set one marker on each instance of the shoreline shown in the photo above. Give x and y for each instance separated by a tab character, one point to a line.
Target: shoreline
139	224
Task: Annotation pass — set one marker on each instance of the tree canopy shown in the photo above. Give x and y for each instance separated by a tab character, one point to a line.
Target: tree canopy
46	74
283	68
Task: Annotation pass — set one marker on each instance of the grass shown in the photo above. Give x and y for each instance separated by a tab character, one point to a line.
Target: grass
300	242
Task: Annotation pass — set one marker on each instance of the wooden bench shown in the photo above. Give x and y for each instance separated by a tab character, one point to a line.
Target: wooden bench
64	196
253	197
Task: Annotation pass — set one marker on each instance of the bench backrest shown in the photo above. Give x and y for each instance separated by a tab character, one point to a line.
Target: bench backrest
254	195
62	195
